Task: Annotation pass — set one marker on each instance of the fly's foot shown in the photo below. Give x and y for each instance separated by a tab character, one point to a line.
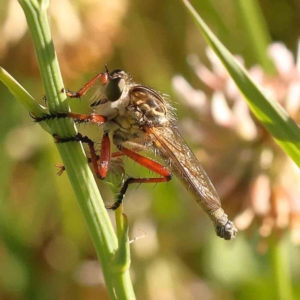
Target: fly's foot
70	94
121	194
115	205
45	99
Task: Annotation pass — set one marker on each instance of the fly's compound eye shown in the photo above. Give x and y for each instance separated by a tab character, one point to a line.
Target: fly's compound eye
117	73
115	85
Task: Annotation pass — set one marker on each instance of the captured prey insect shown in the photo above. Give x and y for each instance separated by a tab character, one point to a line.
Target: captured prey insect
138	118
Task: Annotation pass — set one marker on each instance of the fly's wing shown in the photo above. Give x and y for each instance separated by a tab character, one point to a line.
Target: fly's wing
186	166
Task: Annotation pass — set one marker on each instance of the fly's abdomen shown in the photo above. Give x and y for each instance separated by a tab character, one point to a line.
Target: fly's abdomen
186	166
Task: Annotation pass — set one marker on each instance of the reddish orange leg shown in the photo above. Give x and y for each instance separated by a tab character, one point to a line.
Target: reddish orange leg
100	169
147	163
78	118
62	167
93	118
102	76
135	148
117	154
104	159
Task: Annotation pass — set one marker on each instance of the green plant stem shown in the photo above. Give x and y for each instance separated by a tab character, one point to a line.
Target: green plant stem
72	154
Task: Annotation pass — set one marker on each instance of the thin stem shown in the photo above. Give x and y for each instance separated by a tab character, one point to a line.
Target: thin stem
72	154
122	258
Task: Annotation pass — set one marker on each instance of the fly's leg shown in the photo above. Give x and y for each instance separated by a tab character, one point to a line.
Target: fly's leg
104	160
102	76
89	160
120	196
78	118
147	163
136	148
100	168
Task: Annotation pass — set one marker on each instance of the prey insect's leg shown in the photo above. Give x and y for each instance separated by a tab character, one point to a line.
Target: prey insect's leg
147	163
102	76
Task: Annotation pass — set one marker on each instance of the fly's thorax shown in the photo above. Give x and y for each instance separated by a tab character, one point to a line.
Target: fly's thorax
146	108
126	126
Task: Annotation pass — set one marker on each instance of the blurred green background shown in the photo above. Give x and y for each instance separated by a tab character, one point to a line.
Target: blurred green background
45	249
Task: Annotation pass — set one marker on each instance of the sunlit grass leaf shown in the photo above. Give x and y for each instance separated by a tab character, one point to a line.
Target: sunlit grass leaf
268	111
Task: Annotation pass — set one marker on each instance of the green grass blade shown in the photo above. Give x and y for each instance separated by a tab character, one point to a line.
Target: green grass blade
255	28
268	111
23	96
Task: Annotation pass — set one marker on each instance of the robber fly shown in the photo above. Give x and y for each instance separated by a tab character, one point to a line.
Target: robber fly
137	118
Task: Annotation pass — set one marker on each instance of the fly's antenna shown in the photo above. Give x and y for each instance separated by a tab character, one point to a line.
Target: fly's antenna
106	69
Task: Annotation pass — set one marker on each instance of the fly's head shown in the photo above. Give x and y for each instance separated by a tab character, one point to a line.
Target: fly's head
119	97
110	98
115	85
